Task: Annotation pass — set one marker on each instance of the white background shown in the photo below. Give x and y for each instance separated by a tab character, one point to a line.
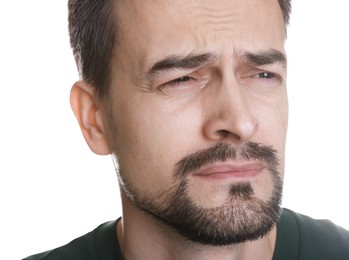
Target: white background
53	189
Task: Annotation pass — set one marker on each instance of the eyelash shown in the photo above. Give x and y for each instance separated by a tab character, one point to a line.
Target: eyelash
266	75
262	78
177	82
185	86
189	83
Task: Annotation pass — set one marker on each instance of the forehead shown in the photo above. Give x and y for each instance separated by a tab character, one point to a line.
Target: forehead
151	29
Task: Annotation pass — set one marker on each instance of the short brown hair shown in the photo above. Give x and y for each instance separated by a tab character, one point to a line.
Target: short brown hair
93	35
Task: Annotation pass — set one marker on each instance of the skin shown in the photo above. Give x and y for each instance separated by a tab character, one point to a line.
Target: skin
157	125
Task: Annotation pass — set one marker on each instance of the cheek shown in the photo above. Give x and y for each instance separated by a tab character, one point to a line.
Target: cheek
273	121
150	141
273	114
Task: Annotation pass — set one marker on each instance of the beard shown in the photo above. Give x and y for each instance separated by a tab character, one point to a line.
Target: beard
243	217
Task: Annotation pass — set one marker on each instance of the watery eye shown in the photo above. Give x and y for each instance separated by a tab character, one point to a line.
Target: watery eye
182	79
185	81
185	86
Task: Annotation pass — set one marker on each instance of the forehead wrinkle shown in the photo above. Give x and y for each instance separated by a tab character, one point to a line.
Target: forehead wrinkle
216	16
198	27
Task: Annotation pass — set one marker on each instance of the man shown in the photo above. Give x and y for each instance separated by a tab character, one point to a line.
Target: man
189	98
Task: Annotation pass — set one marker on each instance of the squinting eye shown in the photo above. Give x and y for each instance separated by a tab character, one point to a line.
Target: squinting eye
182	87
262	78
266	75
178	82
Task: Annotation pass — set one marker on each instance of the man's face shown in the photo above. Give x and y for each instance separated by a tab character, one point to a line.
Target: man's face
199	113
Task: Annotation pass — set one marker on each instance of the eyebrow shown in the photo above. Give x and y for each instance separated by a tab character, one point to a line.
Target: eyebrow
264	57
190	61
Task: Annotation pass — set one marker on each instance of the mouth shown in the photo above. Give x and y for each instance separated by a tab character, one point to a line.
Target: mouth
235	170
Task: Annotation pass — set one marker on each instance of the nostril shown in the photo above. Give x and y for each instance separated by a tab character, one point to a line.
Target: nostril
223	133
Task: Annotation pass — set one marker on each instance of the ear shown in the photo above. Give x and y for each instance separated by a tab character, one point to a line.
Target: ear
89	117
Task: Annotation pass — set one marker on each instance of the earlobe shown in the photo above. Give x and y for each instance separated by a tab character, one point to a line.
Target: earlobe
89	117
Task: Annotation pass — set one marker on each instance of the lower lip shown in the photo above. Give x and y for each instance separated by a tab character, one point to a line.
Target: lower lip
241	174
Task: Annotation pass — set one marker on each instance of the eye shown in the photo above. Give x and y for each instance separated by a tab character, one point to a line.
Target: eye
266	78
265	75
180	82
183	86
262	79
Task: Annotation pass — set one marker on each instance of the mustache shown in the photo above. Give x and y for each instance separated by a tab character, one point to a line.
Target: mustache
222	152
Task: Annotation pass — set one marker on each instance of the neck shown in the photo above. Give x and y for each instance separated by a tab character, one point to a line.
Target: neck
141	236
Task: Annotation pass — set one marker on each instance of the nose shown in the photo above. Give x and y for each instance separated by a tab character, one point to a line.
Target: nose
229	116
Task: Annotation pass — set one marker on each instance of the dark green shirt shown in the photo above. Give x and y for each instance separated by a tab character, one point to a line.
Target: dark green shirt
298	238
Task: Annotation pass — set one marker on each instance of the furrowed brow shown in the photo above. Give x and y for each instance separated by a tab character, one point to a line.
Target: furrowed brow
265	57
190	61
